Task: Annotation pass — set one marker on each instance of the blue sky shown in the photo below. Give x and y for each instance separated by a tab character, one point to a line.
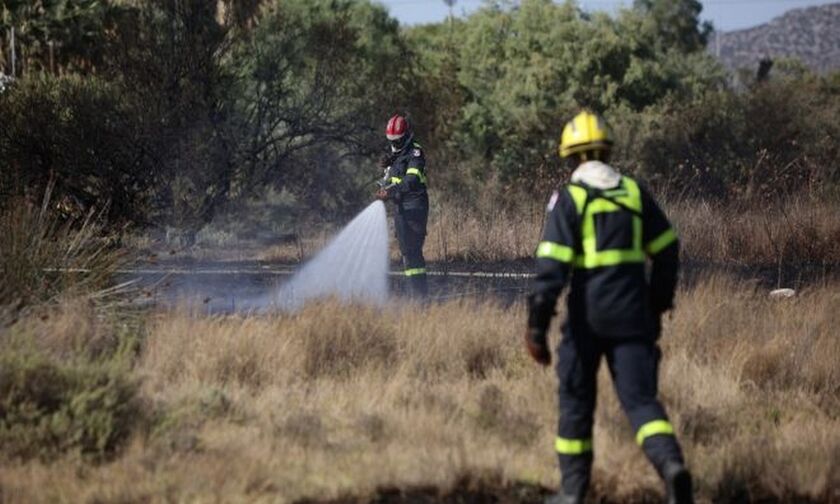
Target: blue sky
725	14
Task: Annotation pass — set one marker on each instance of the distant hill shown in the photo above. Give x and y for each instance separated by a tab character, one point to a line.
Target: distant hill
811	34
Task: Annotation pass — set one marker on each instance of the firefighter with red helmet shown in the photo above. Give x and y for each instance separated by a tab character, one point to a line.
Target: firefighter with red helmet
404	183
601	232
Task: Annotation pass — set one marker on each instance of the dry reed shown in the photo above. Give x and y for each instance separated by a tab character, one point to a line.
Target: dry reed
793	232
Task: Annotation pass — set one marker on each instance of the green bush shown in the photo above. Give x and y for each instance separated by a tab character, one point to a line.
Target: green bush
76	135
522	72
49	407
778	138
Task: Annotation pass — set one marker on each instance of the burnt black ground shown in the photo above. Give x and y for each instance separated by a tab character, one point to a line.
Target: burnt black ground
223	287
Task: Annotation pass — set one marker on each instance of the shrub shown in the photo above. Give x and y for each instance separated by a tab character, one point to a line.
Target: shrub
778	138
77	136
48	407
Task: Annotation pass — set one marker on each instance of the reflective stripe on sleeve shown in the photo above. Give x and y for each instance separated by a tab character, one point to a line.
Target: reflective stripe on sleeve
414	272
659	243
555	251
654	428
416	171
565	446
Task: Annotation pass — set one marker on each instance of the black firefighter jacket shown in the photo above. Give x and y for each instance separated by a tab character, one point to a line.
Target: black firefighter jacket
406	178
603	241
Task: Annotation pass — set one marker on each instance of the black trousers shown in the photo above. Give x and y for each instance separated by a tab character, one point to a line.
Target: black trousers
633	365
410	228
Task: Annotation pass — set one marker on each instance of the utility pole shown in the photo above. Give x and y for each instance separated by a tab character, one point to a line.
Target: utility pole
450	4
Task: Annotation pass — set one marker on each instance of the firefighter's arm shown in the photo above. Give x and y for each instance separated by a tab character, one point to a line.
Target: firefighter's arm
384	164
415	174
555	255
662	246
409	182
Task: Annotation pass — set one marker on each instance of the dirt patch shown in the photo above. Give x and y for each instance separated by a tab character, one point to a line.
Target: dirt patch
468	490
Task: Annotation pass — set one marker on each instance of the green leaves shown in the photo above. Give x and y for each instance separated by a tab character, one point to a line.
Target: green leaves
524	69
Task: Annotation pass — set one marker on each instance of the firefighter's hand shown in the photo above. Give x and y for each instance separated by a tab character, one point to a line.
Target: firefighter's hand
537	346
384	161
381	195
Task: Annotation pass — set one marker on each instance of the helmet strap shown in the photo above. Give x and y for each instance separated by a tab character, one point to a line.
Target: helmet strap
401	143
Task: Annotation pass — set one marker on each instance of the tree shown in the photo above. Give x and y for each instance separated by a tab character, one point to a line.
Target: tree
524	69
313	81
676	23
60	35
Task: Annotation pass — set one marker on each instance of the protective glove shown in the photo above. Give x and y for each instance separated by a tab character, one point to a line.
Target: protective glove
381	195
537	346
384	161
540	312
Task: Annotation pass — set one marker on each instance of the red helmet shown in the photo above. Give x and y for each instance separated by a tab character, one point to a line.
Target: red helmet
398	131
397	127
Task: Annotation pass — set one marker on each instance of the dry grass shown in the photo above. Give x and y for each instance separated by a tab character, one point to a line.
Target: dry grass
794	231
341	400
752	234
44	257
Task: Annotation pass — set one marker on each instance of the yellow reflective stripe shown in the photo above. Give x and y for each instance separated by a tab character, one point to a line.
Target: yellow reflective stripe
565	446
415	272
600	205
633	199
654	428
609	258
395	180
551	250
416	171
578	196
659	243
592	257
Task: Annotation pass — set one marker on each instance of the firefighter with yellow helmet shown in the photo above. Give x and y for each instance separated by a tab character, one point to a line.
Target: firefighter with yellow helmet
601	231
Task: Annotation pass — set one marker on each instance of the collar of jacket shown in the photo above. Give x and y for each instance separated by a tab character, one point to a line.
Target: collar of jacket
597	175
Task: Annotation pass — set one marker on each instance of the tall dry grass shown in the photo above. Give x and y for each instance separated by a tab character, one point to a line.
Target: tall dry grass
44	256
796	230
337	400
790	232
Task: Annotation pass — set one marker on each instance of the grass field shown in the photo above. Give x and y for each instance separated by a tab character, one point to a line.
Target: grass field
339	401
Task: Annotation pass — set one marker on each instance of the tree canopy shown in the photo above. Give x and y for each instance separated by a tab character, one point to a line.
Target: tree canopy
167	110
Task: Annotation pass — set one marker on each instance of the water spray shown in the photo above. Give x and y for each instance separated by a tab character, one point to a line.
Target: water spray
353	267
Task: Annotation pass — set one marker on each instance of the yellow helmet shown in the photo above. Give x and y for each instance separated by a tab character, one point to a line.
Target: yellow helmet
586	132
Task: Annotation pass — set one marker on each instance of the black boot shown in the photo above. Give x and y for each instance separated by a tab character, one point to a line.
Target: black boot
678	483
576	471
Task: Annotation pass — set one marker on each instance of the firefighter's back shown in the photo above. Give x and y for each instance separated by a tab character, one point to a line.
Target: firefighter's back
609	292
